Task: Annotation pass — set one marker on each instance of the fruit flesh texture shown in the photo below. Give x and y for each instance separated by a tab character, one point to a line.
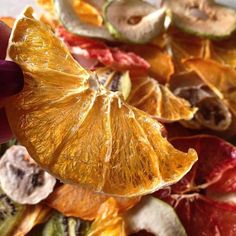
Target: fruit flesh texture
121	151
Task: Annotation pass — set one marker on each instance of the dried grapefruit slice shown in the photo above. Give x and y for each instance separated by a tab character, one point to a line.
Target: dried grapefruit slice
79	131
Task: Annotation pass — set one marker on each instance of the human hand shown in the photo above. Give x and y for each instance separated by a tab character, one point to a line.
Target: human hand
11	81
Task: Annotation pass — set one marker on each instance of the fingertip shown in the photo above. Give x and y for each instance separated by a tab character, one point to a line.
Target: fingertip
5	130
5	33
11	79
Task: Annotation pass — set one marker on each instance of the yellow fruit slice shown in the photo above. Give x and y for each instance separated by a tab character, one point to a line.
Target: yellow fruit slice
108	222
161	64
72	200
36	214
157	100
220	78
86	12
9	21
79	131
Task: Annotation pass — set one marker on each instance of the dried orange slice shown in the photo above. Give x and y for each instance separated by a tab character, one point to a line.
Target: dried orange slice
72	200
108	222
85	11
79	131
221	79
183	46
34	215
157	100
161	64
9	21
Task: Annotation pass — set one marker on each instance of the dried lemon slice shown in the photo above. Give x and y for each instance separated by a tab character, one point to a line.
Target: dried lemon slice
79	131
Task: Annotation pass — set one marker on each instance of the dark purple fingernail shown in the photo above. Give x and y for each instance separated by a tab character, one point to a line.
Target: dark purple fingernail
11	78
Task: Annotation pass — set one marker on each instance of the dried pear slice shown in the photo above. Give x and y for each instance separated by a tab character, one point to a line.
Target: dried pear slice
133	20
154	216
203	18
73	24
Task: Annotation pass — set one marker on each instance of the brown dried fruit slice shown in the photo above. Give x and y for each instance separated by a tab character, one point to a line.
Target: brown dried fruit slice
79	131
157	100
72	200
212	111
221	79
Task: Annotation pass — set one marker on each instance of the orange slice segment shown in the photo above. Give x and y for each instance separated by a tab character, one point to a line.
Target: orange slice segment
85	11
77	130
157	100
72	200
108	222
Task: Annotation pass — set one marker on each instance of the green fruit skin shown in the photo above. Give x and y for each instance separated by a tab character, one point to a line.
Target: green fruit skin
113	31
10	220
203	33
59	225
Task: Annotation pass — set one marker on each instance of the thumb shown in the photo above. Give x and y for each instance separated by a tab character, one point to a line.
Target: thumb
5	32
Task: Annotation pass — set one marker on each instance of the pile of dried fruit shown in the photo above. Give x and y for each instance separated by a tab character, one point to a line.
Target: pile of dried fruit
127	120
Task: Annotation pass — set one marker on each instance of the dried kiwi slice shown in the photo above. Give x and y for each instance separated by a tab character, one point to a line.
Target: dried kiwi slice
202	17
11	214
60	225
72	23
135	21
115	80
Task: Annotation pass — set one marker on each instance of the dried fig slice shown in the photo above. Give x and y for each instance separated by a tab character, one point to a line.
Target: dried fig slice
22	179
212	112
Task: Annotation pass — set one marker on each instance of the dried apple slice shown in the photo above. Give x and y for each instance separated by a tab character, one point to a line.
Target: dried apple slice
199	211
154	216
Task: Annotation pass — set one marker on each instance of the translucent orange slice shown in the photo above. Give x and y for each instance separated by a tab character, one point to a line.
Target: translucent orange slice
9	21
77	130
161	63
157	100
108	222
72	200
85	11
